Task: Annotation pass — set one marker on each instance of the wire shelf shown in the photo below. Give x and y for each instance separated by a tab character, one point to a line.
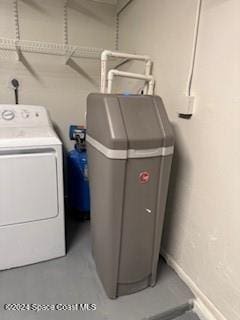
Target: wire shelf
50	48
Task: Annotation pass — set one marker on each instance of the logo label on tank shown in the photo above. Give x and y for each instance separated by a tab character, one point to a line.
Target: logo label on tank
144	176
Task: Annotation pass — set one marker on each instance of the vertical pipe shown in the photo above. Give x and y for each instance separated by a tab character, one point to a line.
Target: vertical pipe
110	81
151	87
103	75
109	88
148	67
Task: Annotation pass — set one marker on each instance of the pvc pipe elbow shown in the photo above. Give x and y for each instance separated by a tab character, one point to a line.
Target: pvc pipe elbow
148	64
105	54
111	74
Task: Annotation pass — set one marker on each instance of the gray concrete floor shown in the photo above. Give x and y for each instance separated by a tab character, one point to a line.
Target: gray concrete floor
73	279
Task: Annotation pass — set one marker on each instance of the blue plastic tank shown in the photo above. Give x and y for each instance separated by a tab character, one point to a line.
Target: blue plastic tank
78	185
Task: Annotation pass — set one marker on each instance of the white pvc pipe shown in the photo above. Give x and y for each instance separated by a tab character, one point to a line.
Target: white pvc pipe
106	54
151	87
103	75
148	68
112	73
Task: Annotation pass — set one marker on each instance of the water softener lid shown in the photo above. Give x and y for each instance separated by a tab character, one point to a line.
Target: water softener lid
125	123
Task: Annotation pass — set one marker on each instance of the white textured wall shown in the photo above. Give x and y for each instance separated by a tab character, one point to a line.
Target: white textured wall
203	217
45	80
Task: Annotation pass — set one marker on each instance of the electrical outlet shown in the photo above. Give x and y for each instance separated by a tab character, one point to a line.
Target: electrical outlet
185	106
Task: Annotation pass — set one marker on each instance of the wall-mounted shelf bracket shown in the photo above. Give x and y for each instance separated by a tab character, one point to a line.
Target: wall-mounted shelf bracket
69	55
122	63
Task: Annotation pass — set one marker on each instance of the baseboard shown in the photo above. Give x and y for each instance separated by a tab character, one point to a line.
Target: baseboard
205	309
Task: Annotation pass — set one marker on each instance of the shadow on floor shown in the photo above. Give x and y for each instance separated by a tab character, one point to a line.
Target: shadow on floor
74	225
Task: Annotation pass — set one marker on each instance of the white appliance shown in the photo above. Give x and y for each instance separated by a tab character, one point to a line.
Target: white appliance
31	187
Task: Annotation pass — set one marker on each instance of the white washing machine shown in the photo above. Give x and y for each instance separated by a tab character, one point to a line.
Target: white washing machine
31	187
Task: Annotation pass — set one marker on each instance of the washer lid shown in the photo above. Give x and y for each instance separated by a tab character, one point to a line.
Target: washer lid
21	137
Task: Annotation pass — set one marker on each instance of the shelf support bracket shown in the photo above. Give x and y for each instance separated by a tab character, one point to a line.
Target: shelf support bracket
69	55
122	63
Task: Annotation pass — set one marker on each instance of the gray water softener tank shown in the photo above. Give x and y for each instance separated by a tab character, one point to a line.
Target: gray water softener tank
130	147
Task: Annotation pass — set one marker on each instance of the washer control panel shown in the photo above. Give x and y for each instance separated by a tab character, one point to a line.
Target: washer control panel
23	116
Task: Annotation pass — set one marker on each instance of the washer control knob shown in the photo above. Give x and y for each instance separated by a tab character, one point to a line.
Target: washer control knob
25	114
8	115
